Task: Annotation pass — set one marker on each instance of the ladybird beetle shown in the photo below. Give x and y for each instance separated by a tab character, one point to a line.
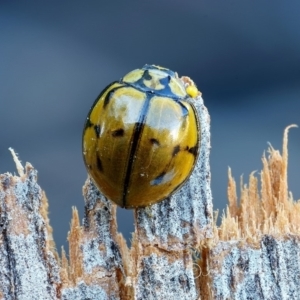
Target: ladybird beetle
141	137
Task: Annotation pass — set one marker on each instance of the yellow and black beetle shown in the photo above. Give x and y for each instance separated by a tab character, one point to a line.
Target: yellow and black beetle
141	137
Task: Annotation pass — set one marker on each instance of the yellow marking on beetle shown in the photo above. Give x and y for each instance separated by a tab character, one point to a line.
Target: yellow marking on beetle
192	91
133	76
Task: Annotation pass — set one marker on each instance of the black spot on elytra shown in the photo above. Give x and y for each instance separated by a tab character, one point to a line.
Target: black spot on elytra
184	110
107	98
155	142
176	149
118	132
165	81
193	150
99	164
146	75
88	123
97	129
158	180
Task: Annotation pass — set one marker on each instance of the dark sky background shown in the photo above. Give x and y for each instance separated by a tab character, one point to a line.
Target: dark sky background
56	56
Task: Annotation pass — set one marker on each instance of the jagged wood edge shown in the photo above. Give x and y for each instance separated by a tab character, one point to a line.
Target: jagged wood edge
256	249
28	261
96	269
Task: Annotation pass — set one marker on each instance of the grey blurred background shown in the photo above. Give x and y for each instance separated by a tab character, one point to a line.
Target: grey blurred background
56	56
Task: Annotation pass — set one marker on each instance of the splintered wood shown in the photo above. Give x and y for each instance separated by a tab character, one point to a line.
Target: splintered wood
177	252
271	210
29	267
96	269
255	252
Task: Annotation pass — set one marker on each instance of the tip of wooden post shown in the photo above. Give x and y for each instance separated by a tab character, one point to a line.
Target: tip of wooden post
19	166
